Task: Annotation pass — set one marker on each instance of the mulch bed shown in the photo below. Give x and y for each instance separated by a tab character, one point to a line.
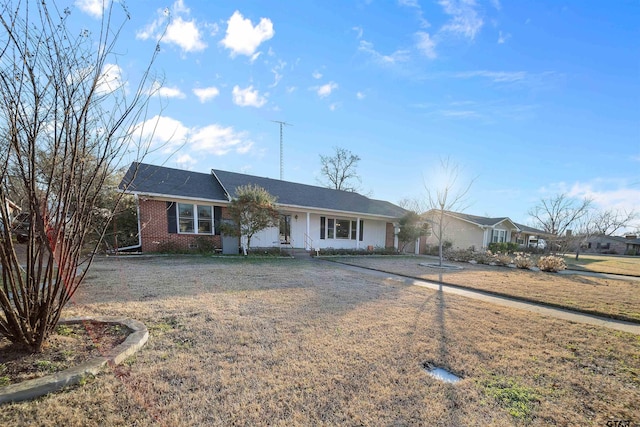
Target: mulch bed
68	346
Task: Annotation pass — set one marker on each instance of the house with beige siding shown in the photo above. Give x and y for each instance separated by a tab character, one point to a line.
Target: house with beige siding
466	231
182	208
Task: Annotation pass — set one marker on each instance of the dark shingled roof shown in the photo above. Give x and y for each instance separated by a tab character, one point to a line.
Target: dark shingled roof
481	220
530	230
490	222
149	179
294	194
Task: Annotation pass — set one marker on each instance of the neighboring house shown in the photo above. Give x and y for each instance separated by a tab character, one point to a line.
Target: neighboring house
477	232
12	209
629	245
178	207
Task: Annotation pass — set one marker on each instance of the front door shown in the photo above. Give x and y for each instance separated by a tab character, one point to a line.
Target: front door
285	229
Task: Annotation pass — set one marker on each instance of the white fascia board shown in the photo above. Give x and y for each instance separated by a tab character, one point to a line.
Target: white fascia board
172	197
335	212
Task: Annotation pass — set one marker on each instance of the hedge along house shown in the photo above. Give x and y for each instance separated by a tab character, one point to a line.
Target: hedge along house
179	209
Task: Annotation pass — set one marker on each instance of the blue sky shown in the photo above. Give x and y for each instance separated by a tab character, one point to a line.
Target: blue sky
530	98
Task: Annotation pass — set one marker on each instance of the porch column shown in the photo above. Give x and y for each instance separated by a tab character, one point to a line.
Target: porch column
396	230
357	233
307	245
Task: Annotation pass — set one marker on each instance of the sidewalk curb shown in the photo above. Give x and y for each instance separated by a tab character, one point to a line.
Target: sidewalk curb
31	389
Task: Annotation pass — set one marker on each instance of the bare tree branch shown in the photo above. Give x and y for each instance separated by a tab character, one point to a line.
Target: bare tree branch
340	170
446	196
66	118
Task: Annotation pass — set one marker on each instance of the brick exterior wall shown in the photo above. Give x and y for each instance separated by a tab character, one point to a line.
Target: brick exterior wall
155	234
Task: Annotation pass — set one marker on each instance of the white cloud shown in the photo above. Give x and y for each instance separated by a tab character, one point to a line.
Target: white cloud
168	134
395	57
185	34
334	106
248	97
426	45
358	31
502	38
291	89
94	8
360	95
326	89
110	79
465	20
608	194
316	75
170	92
418	9
206	94
180	31
495	76
161	132
217	140
186	162
243	38
277	73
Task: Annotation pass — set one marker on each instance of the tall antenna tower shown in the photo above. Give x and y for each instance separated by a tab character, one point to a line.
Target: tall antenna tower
281	159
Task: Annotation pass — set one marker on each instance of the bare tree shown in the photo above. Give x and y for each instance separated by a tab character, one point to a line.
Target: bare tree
445	196
558	214
610	221
601	222
66	119
340	170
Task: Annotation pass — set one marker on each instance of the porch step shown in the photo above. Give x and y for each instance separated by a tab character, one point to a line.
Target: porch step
300	253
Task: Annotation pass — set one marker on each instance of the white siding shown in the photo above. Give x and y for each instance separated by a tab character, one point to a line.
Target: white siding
374	233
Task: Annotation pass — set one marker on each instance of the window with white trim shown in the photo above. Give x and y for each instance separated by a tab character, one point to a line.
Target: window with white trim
335	228
499	236
196	219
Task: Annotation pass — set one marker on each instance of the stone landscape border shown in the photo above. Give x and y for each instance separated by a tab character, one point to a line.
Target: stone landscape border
37	387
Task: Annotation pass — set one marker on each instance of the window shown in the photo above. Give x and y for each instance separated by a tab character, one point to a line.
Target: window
499	236
189	215
205	223
343	228
334	228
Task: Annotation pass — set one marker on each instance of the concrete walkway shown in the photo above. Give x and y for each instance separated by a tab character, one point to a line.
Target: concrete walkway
540	309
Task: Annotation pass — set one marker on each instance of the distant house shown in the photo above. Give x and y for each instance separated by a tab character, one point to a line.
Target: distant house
12	209
179	208
629	245
471	231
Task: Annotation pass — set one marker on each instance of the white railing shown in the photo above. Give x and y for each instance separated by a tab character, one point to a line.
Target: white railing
308	242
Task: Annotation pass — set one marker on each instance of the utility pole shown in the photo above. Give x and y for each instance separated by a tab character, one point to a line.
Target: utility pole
281	159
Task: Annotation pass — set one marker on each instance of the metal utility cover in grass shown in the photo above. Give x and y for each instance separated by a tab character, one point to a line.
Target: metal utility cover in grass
440	374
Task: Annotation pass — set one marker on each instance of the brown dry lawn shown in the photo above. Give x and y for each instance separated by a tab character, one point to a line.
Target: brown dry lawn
605	264
609	297
295	342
